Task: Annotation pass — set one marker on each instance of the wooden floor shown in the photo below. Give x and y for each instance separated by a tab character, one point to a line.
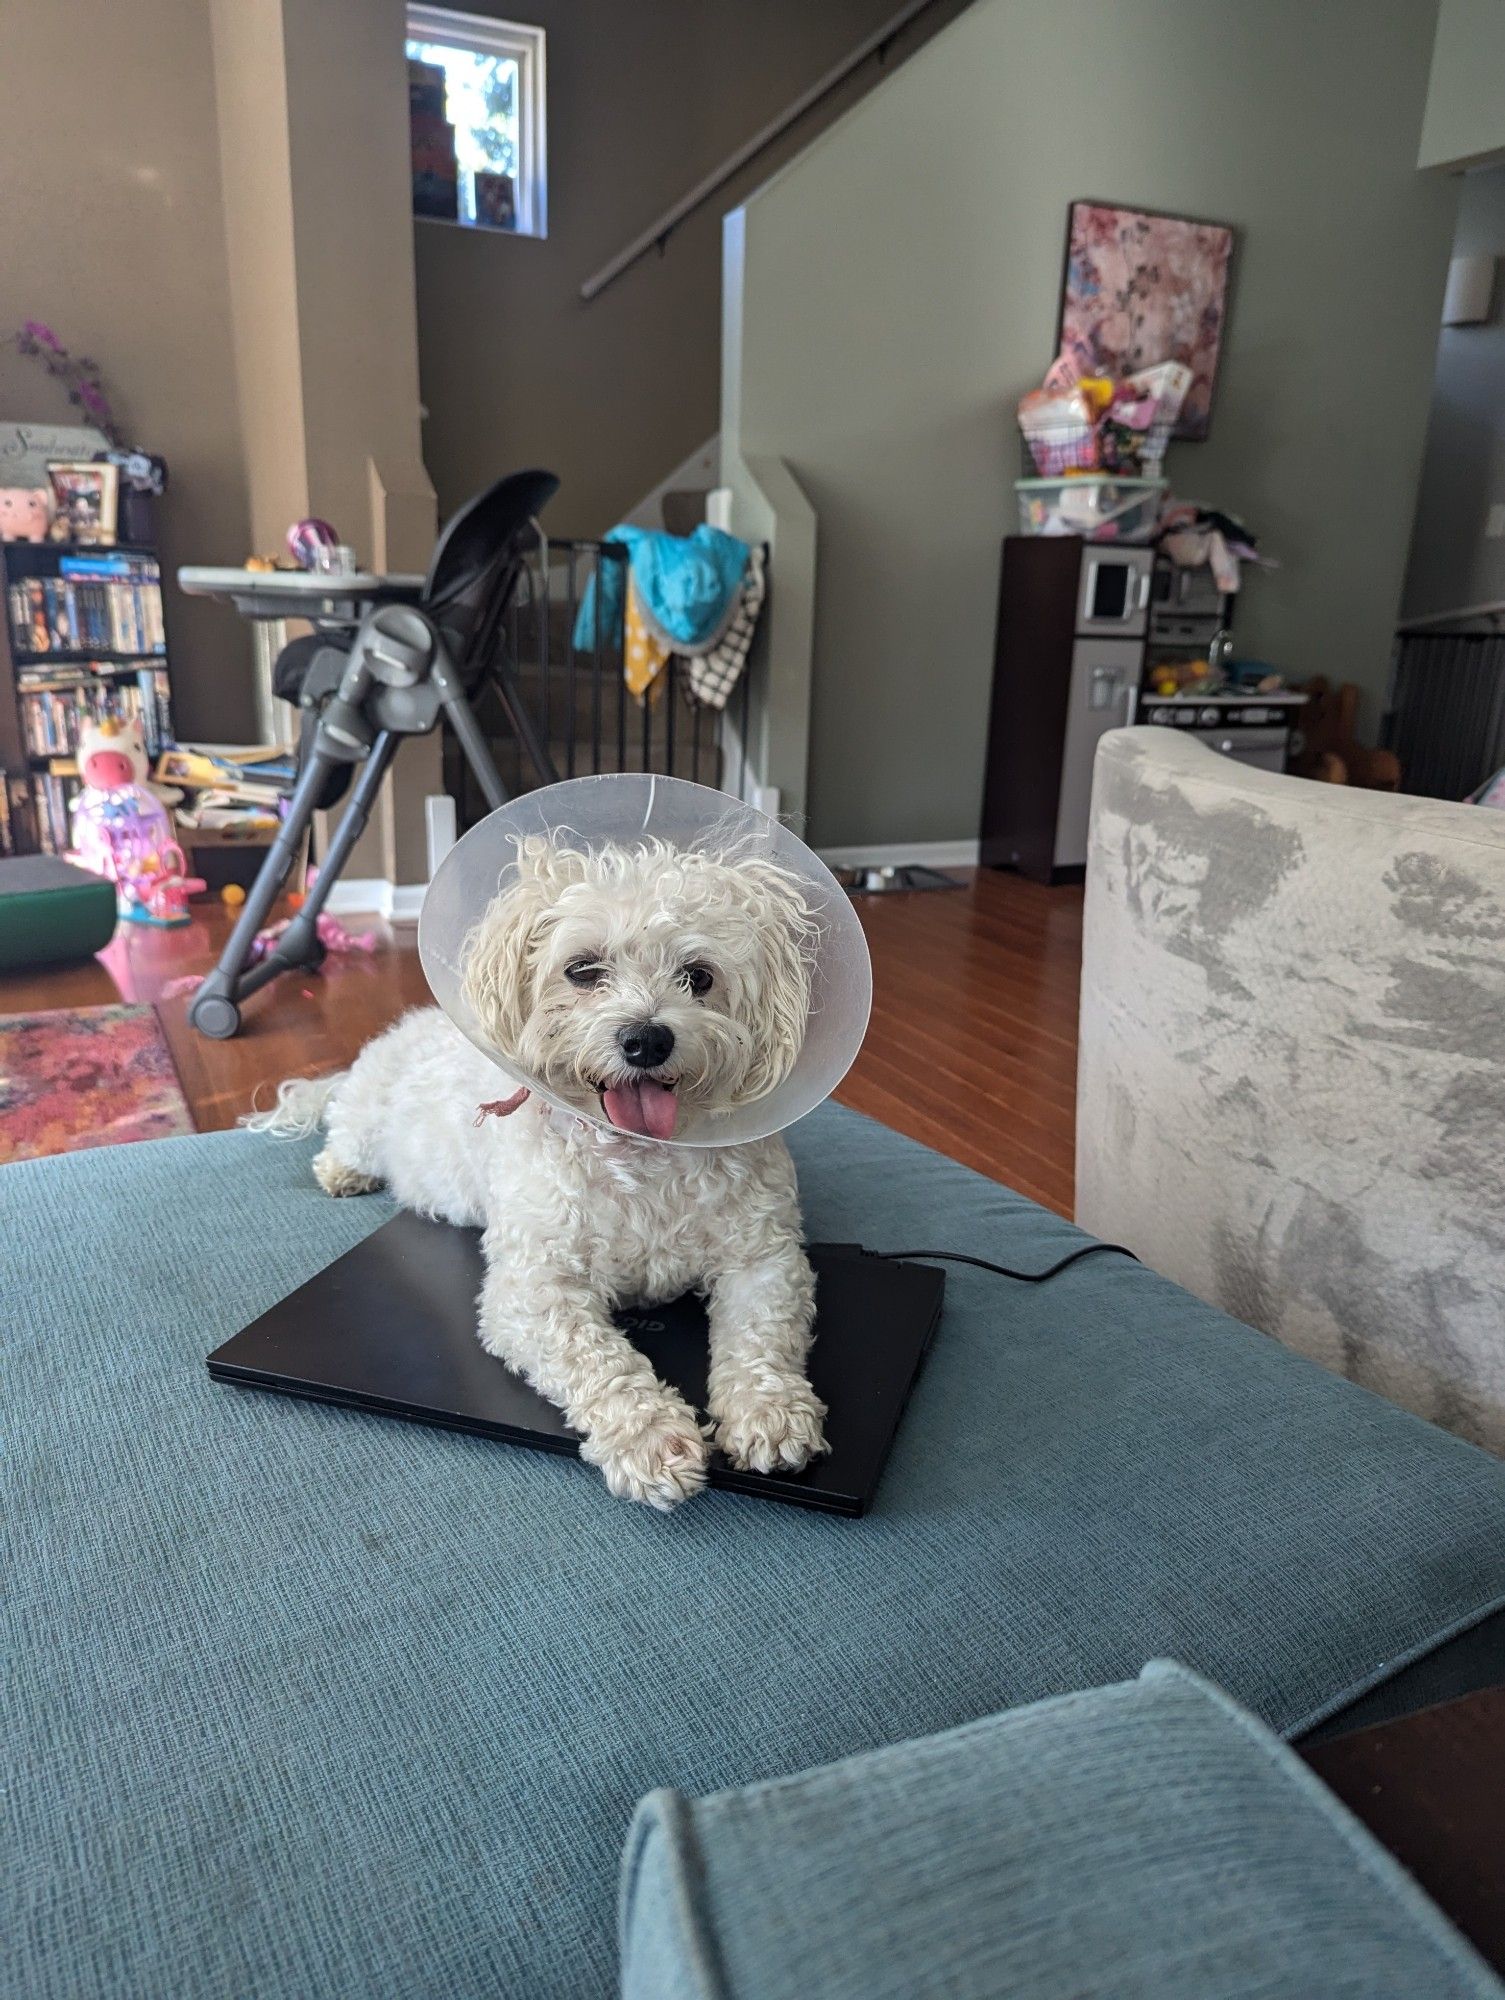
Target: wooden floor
972	1046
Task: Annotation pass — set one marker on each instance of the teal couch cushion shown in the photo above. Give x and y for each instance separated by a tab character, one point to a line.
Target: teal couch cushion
1141	1842
306	1701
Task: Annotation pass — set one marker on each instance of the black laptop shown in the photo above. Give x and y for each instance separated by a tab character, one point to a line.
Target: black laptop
391	1326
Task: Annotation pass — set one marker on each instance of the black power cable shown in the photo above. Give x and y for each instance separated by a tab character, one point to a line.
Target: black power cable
1002	1270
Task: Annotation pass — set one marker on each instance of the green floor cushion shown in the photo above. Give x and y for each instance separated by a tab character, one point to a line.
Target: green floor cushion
1143	1842
52	913
307	1700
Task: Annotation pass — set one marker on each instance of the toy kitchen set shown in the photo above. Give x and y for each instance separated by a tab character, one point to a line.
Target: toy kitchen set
1093	636
1113	609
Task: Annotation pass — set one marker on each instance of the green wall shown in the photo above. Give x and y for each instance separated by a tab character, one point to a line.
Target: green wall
1465	115
645	98
901	287
1455	561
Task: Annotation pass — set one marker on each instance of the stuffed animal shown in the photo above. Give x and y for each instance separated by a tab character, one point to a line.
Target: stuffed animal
122	831
1330	752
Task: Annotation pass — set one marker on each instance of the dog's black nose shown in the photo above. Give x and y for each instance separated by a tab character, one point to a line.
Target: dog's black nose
646	1044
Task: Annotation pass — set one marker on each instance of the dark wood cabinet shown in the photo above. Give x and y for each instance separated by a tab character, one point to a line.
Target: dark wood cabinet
1068	654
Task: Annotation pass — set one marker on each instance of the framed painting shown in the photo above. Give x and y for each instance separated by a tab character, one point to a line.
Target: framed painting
1141	287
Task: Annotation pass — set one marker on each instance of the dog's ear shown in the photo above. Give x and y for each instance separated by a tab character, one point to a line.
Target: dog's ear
786	933
501	950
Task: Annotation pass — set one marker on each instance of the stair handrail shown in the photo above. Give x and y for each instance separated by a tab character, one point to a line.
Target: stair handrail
659	232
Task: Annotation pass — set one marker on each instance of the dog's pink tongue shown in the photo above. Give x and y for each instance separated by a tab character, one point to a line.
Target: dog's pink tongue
645	1107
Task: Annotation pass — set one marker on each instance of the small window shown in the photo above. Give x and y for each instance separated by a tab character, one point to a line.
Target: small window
476	108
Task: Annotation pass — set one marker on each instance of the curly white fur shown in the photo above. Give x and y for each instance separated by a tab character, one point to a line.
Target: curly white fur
577	1220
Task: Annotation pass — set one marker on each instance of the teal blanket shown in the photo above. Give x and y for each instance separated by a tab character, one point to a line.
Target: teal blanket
687	585
306	1701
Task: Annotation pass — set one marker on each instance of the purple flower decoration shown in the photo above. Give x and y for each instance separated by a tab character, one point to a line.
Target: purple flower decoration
77	373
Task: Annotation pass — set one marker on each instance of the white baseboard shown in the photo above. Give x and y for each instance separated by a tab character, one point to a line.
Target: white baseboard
371	896
359	896
896	854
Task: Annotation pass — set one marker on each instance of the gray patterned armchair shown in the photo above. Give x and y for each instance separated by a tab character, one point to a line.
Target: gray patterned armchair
1292	1068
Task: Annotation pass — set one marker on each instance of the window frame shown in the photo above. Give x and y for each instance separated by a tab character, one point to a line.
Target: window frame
526	46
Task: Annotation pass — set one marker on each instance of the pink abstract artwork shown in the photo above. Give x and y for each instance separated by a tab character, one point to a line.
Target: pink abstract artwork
1142	288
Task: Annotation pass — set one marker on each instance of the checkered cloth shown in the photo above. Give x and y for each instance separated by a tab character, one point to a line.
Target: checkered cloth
713	674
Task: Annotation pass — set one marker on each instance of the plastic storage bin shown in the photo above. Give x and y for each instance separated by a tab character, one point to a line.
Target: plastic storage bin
1103	507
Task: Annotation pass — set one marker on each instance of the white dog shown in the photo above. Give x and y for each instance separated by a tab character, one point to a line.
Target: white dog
653	980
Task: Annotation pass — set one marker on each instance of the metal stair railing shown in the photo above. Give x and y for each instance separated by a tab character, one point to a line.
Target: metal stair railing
657	234
579	697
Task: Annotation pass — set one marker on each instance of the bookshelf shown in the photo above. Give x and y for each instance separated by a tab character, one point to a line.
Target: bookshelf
82	634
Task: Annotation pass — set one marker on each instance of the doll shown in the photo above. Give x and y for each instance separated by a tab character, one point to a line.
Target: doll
121	829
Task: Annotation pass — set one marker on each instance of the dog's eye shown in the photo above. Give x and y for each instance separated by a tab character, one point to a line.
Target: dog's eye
585	972
699	978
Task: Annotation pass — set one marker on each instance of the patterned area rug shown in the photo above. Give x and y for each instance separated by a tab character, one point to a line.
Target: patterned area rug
85	1076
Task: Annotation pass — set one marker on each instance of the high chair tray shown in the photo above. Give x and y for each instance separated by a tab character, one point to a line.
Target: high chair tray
296	593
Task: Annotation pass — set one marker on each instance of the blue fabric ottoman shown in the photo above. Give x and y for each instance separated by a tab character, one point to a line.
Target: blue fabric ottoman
1145	1842
311	1701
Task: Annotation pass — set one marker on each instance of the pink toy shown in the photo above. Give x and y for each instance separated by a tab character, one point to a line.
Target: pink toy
122	831
306	538
332	935
25	513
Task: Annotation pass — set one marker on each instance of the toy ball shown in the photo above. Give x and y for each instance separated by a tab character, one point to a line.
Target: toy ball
232	895
304	538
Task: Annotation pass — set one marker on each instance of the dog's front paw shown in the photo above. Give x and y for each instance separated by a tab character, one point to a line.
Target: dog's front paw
772	1430
657	1456
337	1179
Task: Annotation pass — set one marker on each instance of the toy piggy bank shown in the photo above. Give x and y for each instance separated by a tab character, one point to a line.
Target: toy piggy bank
25	513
